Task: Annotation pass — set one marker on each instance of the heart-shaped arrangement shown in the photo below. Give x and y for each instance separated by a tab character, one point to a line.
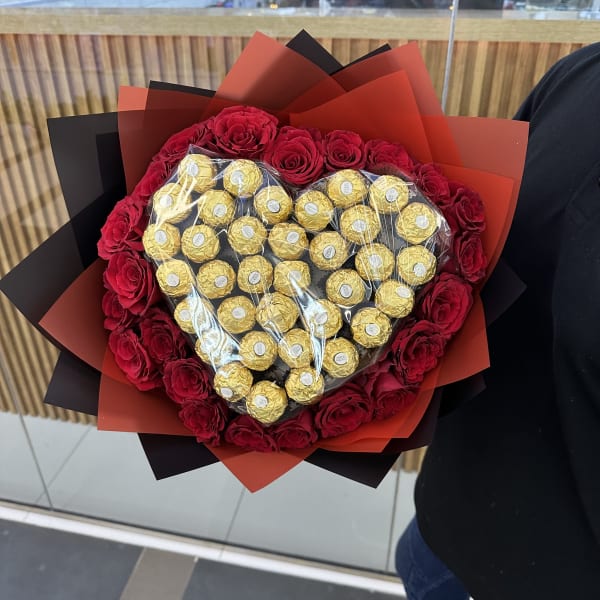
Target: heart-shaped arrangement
286	304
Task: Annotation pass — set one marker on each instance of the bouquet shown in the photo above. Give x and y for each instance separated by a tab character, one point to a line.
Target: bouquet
285	269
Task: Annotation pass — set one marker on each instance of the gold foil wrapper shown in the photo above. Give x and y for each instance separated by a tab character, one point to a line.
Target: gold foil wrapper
266	402
416	265
305	385
276	312
237	314
346	188
345	287
288	241
295	348
417	222
216	208
161	241
291	277
216	348
322	319
242	178
340	358
247	235
171	204
388	194
395	299
175	278
200	243
328	250
197	171
215	279
273	204
233	382
258	350
194	315
255	275
313	210
370	327
374	262
360	224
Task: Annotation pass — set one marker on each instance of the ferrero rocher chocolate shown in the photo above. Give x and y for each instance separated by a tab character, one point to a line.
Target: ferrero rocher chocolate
171	204
345	287
161	241
216	348
258	350
216	208
255	275
374	262
304	385
237	314
175	278
288	241
273	204
388	194
313	210
276	312
322	318
200	243
340	358
215	279
417	222
196	171
360	224
233	381
416	265
291	277
395	299
328	250
247	235
194	315
266	402
295	348
370	327
346	188
242	178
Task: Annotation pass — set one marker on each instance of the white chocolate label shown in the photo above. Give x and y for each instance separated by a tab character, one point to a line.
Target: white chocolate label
238	312
260	349
359	226
296	350
321	318
307	379
346	188
346	290
273	206
185	315
261	401
193	169
329	252
422	222
160	237
226	393
221	281
172	280
420	270
376	261
391	195
198	240
254	278
220	210
292	237
311	209
341	358
248	232
237	178
295	275
403	292
166	201
372	329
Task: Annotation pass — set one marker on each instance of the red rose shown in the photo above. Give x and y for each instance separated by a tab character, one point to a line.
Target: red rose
115	316
244	131
390	395
246	433
296	433
177	146
343	410
205	419
155	176
466	208
186	380
417	349
470	257
124	228
133	359
161	337
344	150
387	157
432	182
130	276
446	302
296	155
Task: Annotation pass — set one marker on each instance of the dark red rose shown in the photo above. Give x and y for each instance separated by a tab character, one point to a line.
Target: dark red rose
186	379
133	359
470	257
161	337
466	208
391	395
296	155
446	302
344	150
177	146
295	433
432	182
343	410
418	348
387	157
115	316
246	433
244	131
155	176
123	228
206	419
131	278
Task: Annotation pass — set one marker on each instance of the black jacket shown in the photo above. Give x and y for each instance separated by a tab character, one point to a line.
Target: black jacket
509	494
